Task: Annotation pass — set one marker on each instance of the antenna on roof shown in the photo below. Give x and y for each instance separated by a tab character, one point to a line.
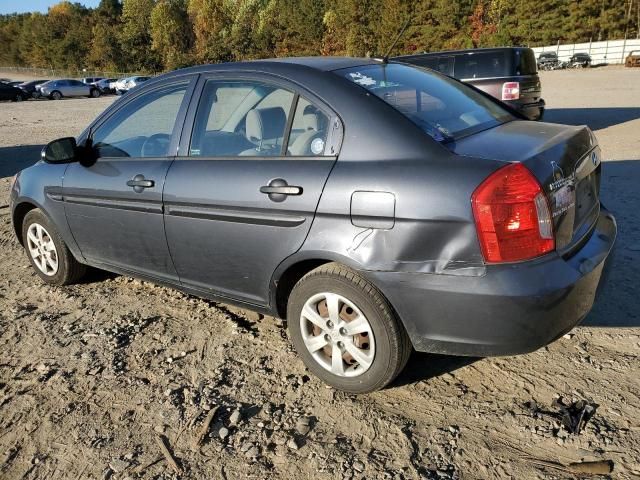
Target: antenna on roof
385	59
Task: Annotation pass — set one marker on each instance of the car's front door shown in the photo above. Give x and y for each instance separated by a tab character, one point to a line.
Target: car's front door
241	196
114	205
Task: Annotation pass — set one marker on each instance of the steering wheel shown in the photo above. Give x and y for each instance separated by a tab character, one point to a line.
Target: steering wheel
156	145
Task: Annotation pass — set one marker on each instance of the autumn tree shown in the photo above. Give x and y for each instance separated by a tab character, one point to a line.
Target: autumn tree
147	35
211	21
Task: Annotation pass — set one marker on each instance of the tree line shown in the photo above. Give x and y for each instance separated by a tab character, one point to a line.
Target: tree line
154	35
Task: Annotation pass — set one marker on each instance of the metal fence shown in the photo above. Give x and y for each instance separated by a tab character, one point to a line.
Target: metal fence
609	51
64	73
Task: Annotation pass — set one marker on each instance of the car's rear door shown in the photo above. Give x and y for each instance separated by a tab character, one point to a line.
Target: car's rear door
78	88
240	197
114	205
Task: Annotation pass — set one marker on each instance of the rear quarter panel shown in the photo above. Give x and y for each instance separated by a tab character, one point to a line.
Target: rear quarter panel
383	151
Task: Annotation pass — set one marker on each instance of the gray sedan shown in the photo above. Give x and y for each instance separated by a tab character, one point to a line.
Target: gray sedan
378	207
57	89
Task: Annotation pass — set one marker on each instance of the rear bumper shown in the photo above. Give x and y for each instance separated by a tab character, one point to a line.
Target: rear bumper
533	111
511	309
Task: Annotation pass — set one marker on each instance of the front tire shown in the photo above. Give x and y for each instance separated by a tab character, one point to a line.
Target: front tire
49	255
345	331
18	98
95	93
56	95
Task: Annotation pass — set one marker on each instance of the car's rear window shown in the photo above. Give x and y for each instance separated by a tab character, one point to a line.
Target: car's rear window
444	108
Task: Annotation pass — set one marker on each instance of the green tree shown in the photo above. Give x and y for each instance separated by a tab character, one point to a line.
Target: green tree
135	35
105	52
171	33
245	39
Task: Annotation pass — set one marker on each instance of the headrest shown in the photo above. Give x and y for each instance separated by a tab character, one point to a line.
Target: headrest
265	124
312	118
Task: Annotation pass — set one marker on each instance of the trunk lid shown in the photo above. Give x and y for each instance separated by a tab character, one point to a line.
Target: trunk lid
564	159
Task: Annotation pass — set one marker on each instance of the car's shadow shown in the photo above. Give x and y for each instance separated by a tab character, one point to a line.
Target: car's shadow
423	366
14	159
595	118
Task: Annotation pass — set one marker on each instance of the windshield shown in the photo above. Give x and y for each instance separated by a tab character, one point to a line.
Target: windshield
444	108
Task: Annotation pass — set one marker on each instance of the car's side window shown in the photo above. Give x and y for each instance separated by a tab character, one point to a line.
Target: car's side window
142	128
240	118
308	131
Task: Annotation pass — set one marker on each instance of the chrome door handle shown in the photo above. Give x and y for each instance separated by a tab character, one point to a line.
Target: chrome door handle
288	190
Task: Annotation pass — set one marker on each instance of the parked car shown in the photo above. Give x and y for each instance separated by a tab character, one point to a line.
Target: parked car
508	74
580	60
104	85
30	87
11	92
91	80
633	59
126	84
548	61
378	207
57	89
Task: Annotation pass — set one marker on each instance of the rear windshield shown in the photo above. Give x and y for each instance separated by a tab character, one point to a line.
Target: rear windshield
443	108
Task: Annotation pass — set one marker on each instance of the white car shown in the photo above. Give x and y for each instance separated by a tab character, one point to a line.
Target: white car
125	84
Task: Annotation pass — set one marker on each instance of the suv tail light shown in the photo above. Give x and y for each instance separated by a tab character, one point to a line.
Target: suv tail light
511	91
512	216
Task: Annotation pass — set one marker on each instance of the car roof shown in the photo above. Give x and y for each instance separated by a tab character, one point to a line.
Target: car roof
324	64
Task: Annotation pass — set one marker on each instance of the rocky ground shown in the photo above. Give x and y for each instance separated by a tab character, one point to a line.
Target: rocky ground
118	378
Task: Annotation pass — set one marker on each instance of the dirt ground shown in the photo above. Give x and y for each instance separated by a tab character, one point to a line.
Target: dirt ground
94	376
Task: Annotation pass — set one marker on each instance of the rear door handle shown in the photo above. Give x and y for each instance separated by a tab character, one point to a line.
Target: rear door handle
139	183
278	190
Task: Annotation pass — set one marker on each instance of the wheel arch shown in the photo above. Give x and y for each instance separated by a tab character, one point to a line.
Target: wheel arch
290	271
20	211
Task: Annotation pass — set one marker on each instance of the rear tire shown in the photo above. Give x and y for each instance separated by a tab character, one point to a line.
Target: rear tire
18	98
359	345
49	255
95	93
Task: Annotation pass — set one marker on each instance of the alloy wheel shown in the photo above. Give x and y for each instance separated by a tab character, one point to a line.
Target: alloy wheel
42	249
337	334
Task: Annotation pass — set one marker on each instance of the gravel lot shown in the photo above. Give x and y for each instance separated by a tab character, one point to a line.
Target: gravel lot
91	376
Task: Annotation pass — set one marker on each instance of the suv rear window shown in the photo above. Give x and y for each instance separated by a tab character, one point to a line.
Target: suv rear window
526	62
444	108
483	64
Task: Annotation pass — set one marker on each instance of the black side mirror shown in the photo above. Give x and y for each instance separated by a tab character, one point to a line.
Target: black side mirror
63	150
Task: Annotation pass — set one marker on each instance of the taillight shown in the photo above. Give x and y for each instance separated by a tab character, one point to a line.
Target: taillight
512	216
511	91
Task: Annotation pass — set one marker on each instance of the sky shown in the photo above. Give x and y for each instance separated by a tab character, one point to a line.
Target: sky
12	6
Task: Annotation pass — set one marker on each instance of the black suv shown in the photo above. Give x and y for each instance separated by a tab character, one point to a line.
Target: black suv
506	73
548	61
580	60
